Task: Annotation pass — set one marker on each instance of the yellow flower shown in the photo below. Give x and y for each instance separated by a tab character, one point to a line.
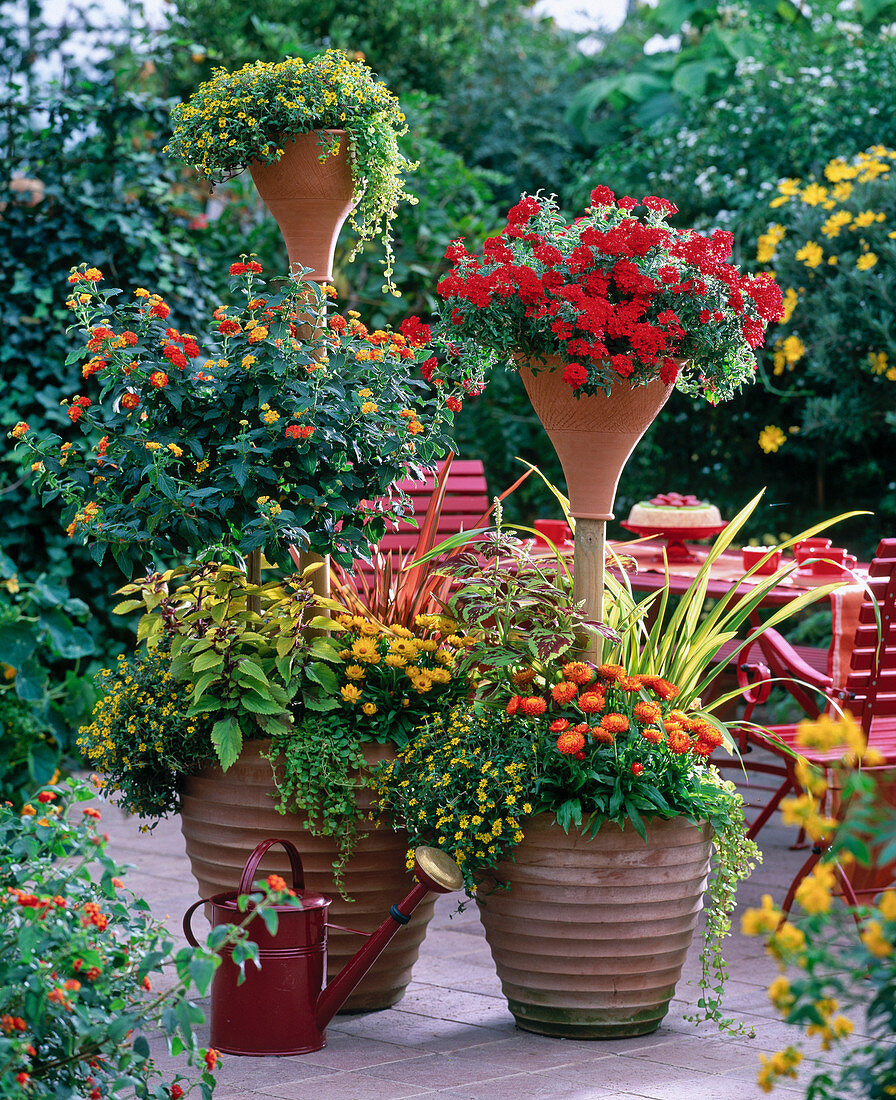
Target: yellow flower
866	260
175	450
780	995
887	905
813	194
364	649
369	708
758	922
875	941
878	362
810	254
814	892
771	438
787	941
369	407
790	300
835	223
866	218
354	672
350	693
794	348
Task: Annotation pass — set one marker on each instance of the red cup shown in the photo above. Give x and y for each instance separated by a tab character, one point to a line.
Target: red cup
833	562
557	530
810	548
752	555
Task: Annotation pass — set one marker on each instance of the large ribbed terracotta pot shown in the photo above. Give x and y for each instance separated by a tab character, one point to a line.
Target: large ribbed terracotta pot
593	435
590	940
309	199
224	816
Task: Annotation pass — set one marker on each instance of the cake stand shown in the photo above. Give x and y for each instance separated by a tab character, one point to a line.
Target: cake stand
675	547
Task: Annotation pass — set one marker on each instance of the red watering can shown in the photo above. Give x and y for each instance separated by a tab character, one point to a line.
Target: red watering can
284	1007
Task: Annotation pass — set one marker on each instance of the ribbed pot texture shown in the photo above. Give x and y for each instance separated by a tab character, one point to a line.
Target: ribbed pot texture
226	814
593	435
309	199
590	940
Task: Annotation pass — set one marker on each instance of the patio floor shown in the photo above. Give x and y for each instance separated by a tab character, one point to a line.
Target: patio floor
452	1034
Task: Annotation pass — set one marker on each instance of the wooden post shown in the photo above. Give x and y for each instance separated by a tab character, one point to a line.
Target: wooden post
588	583
253	576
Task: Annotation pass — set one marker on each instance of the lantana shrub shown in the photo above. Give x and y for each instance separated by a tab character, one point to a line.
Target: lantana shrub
78	957
618	294
273	427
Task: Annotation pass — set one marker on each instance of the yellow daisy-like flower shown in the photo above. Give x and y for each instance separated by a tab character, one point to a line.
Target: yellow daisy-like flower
369	709
866	260
365	649
875	941
771	438
810	254
813	194
350	693
354	672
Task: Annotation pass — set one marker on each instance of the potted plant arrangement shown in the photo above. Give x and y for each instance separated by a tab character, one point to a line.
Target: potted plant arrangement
320	139
578	796
232	445
267	728
601	316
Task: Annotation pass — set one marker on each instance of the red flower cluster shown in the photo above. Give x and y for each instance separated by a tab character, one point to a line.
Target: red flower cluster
614	295
252	267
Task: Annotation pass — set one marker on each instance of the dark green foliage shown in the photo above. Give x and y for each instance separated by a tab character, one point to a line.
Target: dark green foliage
110	197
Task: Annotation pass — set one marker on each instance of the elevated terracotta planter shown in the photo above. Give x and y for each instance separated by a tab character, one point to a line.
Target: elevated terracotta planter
590	940
226	814
593	435
309	199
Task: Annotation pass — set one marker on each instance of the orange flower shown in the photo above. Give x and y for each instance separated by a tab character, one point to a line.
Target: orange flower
211	1058
19	430
615	723
661	687
564	692
602	736
570	743
257	334
559	725
513	705
276	883
611	672
159	379
578	672
130	400
678	740
523	676
652	734
591	702
532	706
630	683
647	712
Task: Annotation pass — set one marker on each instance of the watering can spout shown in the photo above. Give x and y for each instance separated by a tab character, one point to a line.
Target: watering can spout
435	872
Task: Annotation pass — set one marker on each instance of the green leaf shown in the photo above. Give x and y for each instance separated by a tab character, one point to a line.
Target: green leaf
227	737
257	705
209	660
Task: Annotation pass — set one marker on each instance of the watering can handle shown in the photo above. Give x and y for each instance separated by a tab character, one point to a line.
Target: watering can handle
295	862
188	930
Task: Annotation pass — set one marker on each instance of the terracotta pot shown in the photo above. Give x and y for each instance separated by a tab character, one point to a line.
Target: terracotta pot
593	435
224	816
590	940
309	199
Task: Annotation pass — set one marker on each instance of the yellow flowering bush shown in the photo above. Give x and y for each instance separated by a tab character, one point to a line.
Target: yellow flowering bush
838	964
142	739
389	681
463	784
250	114
831	246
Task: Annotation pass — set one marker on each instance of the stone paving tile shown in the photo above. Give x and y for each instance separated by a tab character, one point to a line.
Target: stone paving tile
425	1033
525	1086
342	1086
451	1004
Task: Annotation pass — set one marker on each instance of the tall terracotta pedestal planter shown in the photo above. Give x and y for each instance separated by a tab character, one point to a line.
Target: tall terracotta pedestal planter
309	199
590	939
594	436
226	814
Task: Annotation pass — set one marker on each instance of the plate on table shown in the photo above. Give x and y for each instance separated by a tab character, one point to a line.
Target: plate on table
675	547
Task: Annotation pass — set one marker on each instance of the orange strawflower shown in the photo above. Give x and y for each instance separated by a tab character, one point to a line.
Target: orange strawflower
570	743
591	702
678	740
647	711
532	706
611	672
615	723
652	734
578	672
564	692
